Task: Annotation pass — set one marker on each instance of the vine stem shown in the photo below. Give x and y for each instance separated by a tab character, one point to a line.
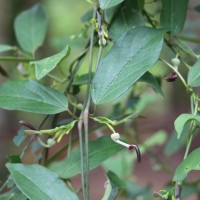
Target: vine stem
80	132
194	107
194	40
83	121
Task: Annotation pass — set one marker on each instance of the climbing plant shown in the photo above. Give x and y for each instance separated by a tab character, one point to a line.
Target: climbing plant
124	40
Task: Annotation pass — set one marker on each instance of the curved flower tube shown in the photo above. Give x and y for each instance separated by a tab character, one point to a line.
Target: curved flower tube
116	136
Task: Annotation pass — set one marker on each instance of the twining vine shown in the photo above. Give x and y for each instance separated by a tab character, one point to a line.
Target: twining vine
130	38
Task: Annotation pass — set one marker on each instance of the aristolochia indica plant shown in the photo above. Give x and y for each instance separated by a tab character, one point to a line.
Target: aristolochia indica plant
133	36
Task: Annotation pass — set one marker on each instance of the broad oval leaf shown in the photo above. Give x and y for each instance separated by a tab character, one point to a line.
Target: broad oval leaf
31	96
130	57
173	14
181	121
46	65
126	17
30	28
104	4
5	47
192	162
100	150
194	75
39	183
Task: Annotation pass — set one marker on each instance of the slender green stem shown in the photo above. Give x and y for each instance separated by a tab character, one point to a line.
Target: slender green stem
45	151
194	40
15	59
57	79
188	145
72	114
78	62
87	170
69	145
194	107
26	147
73	74
85	113
99	57
80	132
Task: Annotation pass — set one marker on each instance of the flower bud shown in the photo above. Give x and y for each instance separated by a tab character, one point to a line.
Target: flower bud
102	41
175	62
51	142
115	136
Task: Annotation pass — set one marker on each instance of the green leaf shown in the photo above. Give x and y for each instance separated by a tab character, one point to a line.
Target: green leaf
109	14
39	183
5	47
149	79
104	4
115	180
194	75
100	150
82	80
192	162
181	121
185	48
130	57
173	14
113	187
31	96
44	66
127	16
30	28
146	78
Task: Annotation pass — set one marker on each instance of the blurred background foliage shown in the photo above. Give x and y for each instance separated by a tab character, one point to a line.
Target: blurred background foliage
66	28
